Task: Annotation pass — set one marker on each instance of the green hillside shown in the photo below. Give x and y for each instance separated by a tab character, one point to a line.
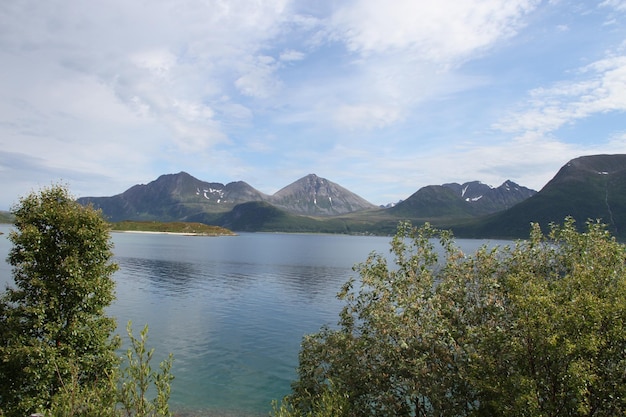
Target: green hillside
432	202
591	187
6	217
170	227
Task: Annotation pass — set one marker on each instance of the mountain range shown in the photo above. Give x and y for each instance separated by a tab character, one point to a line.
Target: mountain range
183	197
588	187
461	200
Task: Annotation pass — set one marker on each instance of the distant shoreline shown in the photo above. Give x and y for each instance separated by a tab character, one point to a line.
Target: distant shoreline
170	228
172	233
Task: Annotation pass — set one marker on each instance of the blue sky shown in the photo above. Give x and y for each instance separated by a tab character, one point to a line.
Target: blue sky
381	97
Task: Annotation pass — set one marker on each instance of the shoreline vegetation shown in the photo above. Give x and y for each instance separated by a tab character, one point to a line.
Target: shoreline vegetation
174	228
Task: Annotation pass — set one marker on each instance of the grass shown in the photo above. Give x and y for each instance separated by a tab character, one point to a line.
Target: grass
170	227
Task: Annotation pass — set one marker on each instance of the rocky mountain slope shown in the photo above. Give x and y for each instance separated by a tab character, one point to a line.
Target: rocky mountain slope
486	199
312	195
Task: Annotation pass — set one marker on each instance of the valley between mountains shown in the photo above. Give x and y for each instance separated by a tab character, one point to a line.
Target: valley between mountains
589	187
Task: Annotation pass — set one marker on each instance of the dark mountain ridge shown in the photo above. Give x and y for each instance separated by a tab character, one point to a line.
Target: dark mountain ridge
469	199
173	197
486	199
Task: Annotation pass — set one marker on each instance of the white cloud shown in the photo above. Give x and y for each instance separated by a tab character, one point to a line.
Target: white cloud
163	67
401	55
601	88
258	78
619	5
193	112
195	138
366	116
157	62
291	55
442	31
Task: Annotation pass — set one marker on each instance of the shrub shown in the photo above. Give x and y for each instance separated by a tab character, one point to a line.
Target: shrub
536	329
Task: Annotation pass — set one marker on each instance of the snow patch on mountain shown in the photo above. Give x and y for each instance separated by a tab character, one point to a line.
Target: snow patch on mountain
207	193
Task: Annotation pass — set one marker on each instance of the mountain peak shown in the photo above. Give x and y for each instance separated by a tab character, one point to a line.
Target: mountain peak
315	195
578	168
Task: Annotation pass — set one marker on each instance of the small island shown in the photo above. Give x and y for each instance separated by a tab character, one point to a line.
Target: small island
179	228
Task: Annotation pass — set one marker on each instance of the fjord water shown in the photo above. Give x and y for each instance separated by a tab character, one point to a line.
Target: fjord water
232	310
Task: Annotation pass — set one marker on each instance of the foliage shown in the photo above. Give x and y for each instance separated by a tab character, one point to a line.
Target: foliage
124	393
79	399
138	377
53	324
330	403
531	330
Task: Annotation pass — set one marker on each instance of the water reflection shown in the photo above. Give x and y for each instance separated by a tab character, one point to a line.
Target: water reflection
170	276
179	278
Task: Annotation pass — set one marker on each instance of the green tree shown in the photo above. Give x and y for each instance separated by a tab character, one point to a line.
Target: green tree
138	377
54	330
536	329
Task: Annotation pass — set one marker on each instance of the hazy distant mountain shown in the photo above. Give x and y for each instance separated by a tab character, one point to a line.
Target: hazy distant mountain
174	197
454	200
6	217
312	195
390	205
589	187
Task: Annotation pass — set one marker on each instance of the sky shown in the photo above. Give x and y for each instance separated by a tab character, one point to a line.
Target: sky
380	97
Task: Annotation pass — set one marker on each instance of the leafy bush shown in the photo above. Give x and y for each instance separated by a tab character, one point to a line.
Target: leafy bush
536	329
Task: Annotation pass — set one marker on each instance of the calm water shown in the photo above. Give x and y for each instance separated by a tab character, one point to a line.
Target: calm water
233	310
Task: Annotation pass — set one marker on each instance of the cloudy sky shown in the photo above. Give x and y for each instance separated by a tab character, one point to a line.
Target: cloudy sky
381	97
